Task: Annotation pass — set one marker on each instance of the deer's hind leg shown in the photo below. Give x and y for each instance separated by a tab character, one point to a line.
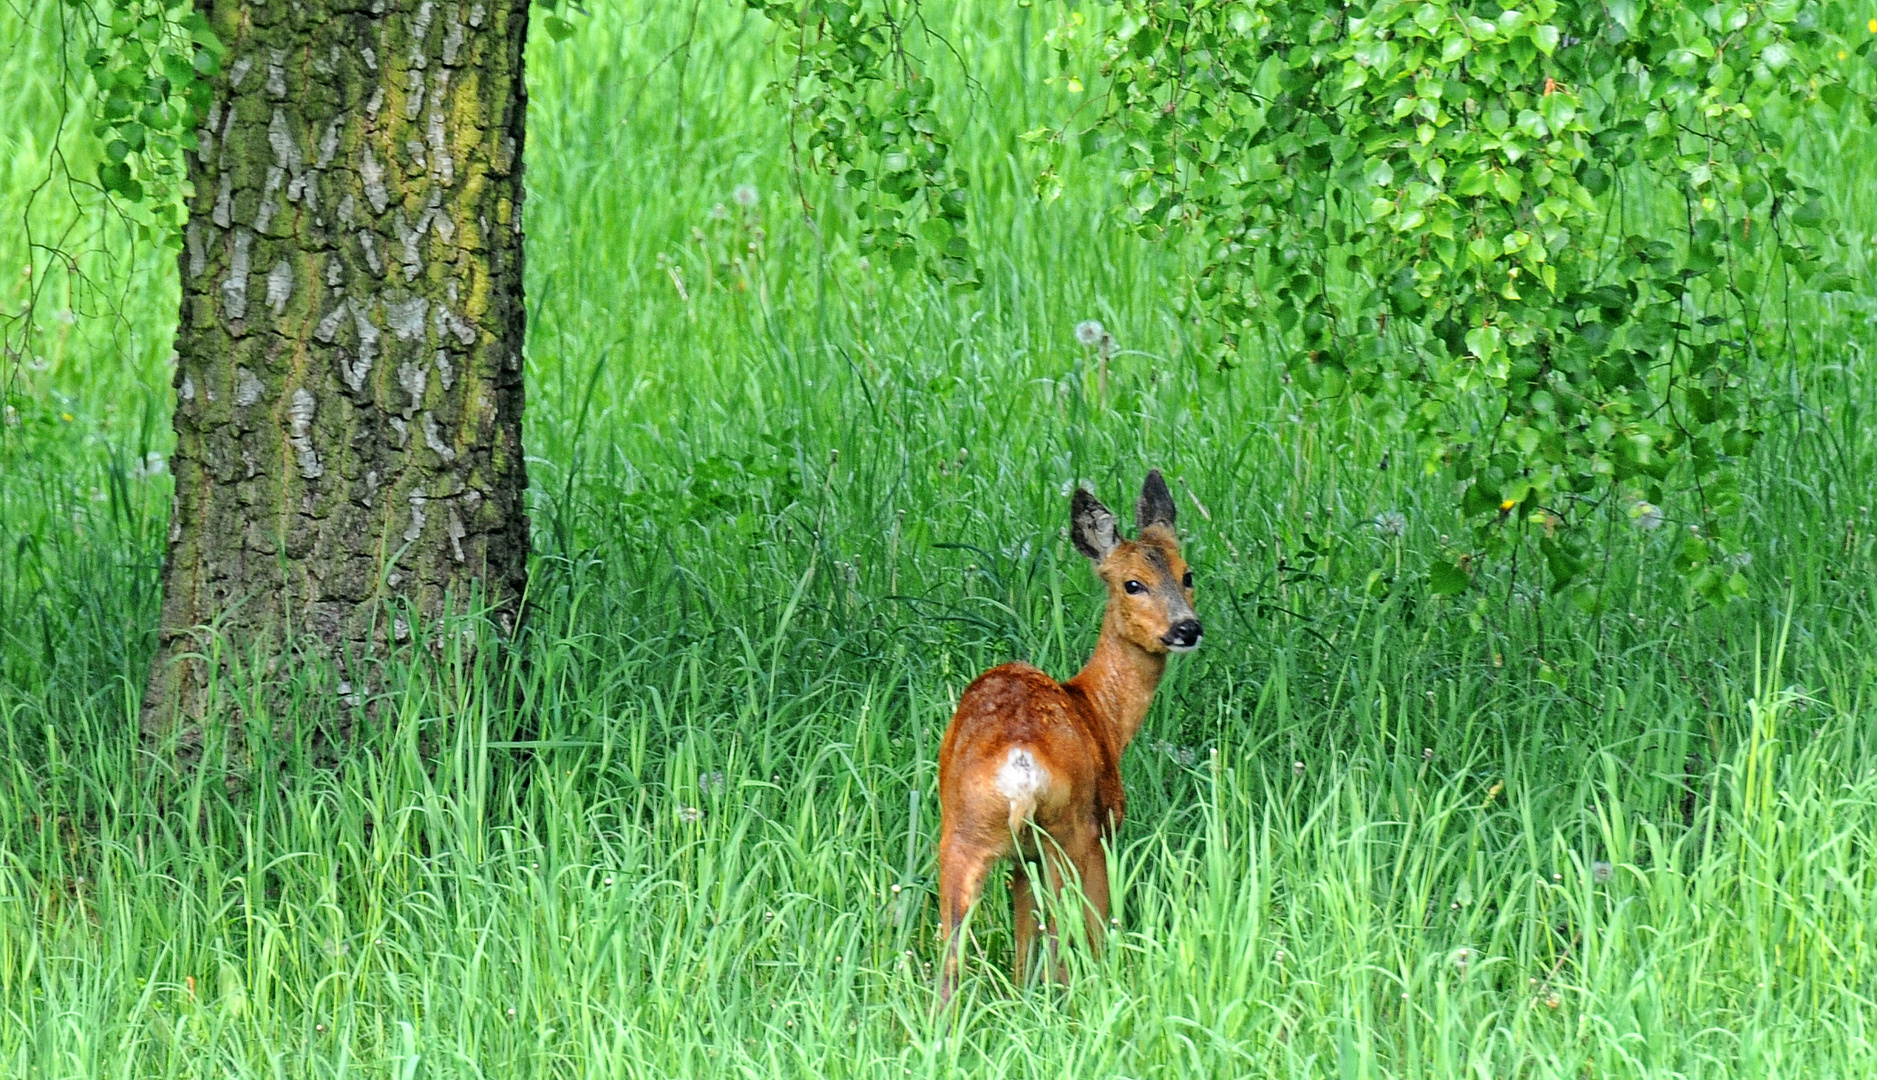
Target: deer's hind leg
961	881
1023	904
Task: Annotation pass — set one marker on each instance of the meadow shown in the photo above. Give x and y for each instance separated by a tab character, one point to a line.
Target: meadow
786	505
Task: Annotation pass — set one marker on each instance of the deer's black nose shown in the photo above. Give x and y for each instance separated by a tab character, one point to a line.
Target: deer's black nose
1183	634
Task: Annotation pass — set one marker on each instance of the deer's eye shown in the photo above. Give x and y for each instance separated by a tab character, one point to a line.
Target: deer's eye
1187	581
1134	588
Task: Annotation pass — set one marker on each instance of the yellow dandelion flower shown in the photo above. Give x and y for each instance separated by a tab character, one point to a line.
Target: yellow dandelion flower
1872	25
1508	504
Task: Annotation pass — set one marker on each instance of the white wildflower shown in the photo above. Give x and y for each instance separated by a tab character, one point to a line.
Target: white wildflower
152	464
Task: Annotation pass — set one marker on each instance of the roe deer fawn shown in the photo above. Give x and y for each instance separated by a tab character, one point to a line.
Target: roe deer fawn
1026	755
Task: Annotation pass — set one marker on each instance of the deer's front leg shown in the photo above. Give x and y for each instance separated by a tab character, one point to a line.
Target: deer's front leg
1091	862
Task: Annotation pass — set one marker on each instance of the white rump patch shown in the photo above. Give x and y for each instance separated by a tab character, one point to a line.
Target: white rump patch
1021	780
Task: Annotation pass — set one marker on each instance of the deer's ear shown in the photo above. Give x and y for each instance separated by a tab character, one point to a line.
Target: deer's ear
1155	506
1091	526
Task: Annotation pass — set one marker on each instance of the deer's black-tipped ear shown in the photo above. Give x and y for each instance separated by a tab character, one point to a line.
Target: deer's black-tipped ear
1091	526
1155	506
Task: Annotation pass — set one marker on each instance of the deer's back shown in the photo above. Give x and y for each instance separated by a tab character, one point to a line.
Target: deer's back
1018	706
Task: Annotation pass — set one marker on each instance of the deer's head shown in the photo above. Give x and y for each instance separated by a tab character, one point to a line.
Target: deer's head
1150	588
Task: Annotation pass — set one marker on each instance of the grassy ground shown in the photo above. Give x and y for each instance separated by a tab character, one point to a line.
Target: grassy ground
784	513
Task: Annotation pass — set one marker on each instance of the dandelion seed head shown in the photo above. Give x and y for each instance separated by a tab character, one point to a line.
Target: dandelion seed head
1090	332
1392	523
745	196
1646	515
690	815
1600	870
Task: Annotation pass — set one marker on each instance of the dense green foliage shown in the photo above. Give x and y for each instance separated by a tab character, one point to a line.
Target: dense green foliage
866	116
1454	211
1450	213
786	505
150	62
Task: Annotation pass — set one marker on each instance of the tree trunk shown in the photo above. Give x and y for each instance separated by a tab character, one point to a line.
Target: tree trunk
348	375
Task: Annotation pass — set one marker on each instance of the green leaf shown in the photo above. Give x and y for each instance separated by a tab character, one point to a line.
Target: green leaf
1563	565
1810	214
114	177
1506	183
1835	281
558	28
1446	579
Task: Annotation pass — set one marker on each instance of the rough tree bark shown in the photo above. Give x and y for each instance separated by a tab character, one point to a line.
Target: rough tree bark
348	375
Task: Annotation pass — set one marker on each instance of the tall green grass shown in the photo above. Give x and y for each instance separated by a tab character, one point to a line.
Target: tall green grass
783	515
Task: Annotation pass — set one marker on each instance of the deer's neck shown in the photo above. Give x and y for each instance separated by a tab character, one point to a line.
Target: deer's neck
1119	681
